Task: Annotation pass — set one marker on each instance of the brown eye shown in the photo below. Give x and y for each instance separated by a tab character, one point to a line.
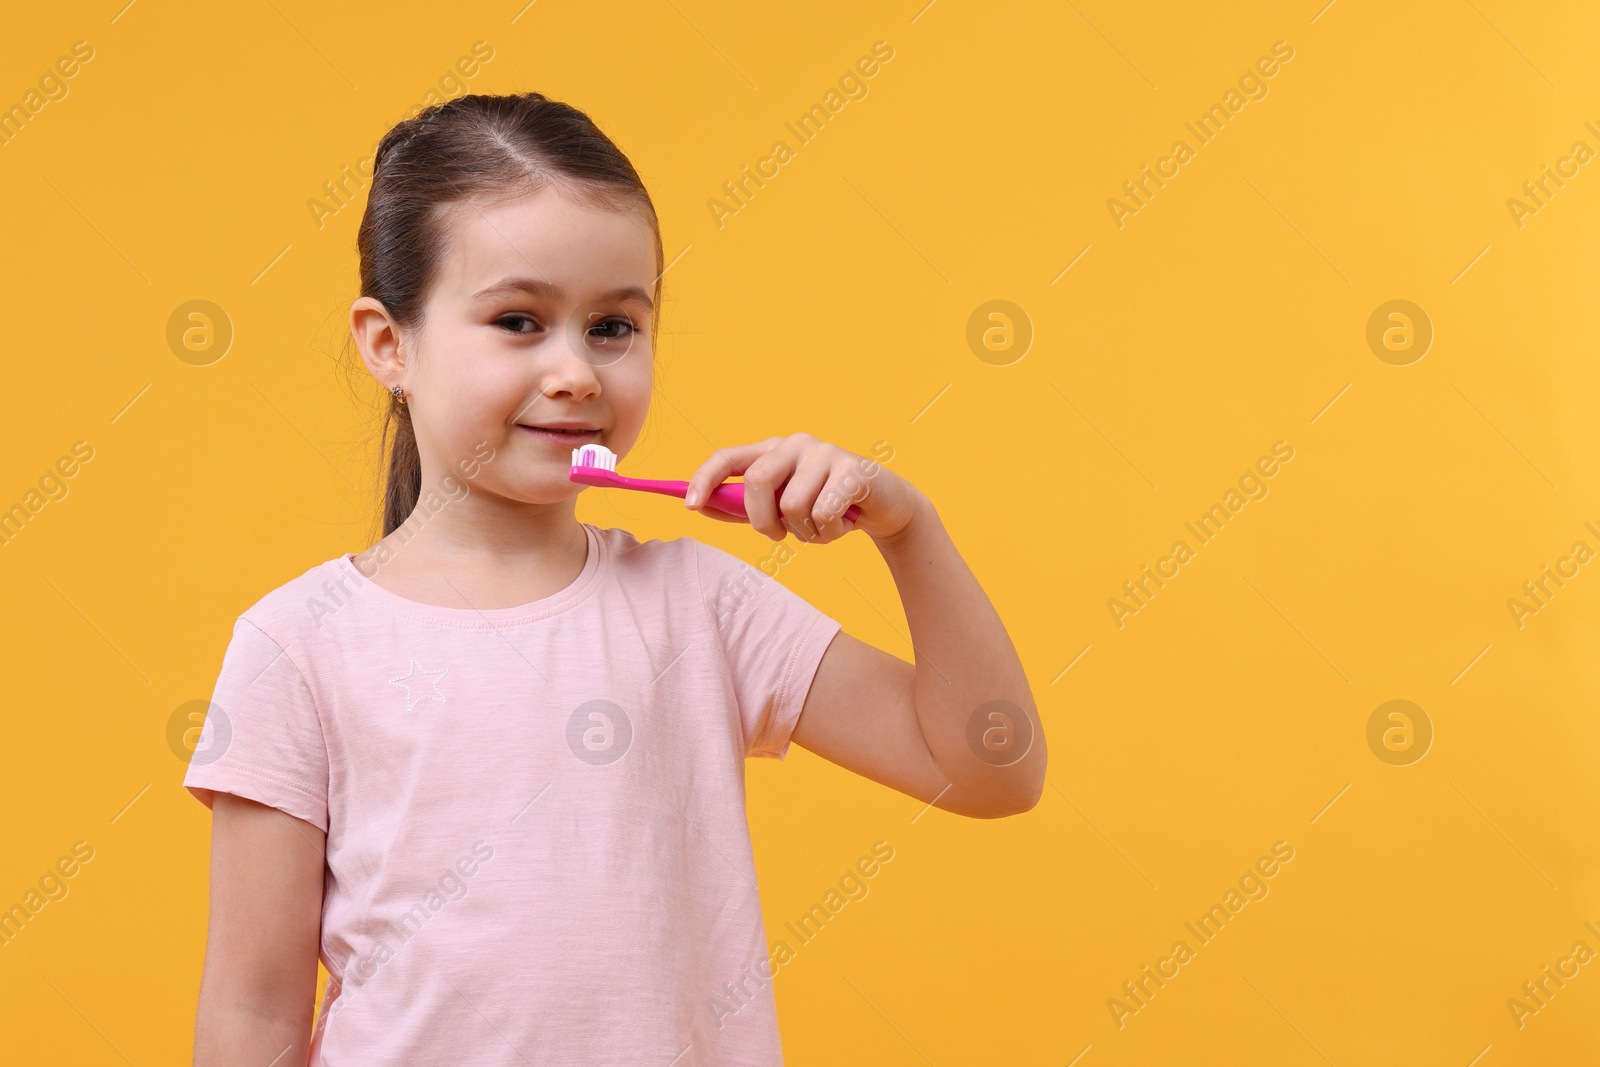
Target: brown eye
611	327
502	320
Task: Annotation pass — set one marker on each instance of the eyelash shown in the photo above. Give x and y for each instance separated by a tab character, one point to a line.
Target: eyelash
632	328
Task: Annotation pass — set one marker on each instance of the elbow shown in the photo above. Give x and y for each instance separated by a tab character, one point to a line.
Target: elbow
998	792
1024	787
1031	789
1033	796
1020	799
1019	805
1028	787
1002	811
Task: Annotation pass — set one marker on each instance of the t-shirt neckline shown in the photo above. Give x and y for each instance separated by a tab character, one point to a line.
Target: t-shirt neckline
542	608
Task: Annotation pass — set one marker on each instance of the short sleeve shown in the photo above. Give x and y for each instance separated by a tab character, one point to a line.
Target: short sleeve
773	640
262	738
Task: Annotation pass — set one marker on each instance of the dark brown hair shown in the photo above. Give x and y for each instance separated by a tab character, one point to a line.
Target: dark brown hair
482	149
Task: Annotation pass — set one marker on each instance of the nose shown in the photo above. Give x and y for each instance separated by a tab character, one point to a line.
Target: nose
573	372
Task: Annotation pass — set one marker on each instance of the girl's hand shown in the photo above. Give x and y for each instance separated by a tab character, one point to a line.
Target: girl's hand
823	480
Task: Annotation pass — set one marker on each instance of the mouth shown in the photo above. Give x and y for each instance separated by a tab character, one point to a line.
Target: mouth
565	436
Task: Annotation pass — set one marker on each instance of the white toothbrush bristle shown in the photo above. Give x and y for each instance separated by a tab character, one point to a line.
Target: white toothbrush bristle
594	456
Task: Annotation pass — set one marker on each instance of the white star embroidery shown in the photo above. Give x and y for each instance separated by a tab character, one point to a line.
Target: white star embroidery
415	698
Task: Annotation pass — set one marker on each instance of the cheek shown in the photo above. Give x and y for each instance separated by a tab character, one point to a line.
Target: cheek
630	384
483	390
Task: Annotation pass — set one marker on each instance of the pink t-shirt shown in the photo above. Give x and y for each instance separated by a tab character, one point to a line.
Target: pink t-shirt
537	848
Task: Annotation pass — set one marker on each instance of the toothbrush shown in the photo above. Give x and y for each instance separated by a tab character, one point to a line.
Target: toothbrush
597	465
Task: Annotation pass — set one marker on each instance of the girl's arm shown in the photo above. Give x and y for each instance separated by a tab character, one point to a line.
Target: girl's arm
258	991
960	728
921	729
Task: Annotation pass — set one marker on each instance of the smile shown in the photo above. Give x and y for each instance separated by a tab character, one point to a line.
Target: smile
567	438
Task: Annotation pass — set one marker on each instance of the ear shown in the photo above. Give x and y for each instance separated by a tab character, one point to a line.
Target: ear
378	340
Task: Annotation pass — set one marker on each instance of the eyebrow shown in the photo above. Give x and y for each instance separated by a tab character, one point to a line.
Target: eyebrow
541	288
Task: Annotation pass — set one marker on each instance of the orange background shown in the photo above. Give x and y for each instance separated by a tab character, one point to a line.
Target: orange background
1167	354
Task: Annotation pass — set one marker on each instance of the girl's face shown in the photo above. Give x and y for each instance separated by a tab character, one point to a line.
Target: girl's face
540	316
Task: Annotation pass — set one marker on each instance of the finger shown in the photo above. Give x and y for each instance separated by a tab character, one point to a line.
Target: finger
828	512
723	463
799	499
761	480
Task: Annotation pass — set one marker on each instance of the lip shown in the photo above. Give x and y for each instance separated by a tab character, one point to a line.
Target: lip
562	424
570	434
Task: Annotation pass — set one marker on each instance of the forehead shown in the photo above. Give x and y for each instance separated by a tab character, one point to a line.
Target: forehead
550	235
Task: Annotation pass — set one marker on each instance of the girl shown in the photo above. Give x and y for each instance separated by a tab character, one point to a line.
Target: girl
490	769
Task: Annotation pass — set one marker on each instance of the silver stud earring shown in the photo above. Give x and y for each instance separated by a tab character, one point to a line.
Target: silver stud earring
399	393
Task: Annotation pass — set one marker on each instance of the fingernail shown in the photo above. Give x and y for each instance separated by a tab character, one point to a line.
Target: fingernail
692	499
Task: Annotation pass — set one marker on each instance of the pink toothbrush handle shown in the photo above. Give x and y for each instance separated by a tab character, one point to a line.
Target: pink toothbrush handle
729	499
